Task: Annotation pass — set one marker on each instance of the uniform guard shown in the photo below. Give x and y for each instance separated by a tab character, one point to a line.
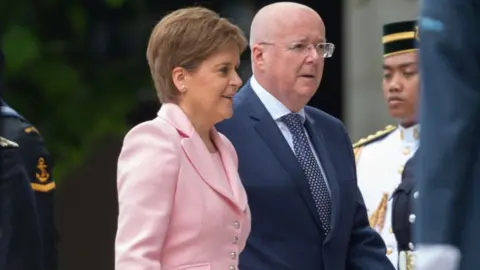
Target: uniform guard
381	157
20	240
38	165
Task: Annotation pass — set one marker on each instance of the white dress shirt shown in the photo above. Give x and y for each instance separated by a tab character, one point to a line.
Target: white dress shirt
277	110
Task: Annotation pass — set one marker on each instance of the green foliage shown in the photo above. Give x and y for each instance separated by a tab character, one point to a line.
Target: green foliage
55	81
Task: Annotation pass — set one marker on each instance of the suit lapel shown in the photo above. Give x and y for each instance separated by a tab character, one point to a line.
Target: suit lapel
195	149
230	164
329	170
268	130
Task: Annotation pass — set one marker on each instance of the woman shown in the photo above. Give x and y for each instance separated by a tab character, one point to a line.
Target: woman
181	202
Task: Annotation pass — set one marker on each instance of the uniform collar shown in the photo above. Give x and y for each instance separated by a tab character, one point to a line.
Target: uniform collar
410	134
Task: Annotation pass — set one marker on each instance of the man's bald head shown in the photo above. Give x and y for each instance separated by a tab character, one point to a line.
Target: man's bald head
287	42
272	18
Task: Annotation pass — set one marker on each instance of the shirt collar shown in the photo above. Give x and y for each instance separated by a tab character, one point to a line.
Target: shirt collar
274	107
410	134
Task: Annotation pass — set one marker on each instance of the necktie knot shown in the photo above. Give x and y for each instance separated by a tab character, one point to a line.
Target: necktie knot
293	121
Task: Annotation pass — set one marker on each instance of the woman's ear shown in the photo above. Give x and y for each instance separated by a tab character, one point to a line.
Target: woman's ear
178	77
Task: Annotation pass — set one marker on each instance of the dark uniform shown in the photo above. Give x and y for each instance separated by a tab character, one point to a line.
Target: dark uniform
448	175
38	165
20	240
403	217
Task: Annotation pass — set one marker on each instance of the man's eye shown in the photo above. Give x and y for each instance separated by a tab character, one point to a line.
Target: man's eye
298	46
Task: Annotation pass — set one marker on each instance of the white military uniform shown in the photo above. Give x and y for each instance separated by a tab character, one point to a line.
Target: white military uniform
380	160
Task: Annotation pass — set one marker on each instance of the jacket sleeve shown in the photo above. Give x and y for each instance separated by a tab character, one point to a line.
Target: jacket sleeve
147	175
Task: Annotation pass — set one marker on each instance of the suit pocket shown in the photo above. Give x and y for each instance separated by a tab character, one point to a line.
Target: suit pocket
194	266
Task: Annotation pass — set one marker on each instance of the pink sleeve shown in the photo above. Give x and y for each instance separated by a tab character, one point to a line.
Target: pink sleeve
147	173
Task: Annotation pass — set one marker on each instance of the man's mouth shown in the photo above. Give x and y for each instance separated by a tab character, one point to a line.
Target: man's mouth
308	76
395	99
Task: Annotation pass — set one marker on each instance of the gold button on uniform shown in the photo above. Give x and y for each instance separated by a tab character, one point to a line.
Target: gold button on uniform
406	151
390	230
389	251
400	170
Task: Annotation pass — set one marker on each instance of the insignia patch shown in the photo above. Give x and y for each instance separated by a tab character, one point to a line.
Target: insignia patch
371	138
42	174
31	129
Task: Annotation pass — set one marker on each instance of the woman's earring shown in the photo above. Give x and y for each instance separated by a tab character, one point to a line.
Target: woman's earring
183	89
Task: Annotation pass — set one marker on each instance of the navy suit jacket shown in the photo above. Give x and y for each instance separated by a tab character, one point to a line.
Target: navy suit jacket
286	230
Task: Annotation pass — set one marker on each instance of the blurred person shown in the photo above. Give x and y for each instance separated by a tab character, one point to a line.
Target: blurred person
20	240
448	168
181	202
295	161
39	166
381	157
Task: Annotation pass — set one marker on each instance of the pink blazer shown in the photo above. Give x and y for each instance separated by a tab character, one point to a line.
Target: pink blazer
173	214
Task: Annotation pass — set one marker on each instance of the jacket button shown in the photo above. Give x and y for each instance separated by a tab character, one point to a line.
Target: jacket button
235	240
236	224
411	218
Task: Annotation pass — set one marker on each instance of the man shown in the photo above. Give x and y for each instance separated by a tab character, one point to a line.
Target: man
295	161
380	157
38	165
20	242
449	163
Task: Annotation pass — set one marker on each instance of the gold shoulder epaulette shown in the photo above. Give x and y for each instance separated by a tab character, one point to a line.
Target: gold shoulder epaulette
373	137
7	143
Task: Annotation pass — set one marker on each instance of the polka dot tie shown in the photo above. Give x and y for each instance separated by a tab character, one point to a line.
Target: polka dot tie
311	168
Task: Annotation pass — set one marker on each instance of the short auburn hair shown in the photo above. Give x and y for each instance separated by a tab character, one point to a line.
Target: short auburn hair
185	38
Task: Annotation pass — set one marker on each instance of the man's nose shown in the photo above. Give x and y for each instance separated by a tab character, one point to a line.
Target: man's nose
313	55
395	84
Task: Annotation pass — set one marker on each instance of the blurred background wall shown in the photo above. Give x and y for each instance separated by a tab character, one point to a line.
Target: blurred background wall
77	70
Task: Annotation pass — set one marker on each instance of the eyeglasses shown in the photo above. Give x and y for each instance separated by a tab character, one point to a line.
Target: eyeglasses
324	49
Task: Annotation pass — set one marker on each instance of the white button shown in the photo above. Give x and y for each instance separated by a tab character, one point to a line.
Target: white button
236	224
231	267
233	255
235	240
415	195
410	246
411	218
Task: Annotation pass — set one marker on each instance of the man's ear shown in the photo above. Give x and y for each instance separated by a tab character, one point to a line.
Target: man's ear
258	57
